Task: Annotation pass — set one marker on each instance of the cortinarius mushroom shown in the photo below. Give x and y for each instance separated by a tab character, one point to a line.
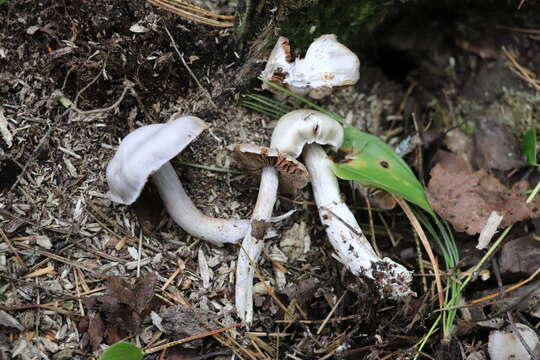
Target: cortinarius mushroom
147	151
272	166
327	64
291	133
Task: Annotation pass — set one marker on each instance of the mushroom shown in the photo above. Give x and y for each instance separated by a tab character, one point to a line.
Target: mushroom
504	345
275	169
147	151
327	64
291	133
352	248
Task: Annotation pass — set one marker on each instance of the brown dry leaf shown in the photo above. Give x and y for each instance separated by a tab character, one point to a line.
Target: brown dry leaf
121	312
137	296
467	198
95	330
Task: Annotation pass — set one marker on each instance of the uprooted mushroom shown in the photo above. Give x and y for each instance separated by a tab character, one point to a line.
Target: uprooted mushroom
146	152
313	129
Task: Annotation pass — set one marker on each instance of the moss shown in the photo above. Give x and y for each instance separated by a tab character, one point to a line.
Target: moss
352	20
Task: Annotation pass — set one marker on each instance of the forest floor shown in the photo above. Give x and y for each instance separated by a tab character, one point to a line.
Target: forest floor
78	76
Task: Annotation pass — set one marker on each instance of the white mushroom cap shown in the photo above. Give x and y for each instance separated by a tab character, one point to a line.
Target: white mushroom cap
279	61
504	345
327	64
144	151
300	127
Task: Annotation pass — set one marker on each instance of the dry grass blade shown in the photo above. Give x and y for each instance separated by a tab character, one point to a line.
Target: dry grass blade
507	290
15	252
190	12
418	228
521	71
190	338
330	314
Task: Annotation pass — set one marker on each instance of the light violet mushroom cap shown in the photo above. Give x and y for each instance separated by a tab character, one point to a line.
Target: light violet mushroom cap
144	151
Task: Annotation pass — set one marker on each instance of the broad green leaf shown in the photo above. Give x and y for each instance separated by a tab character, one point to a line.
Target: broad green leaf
529	146
122	351
372	162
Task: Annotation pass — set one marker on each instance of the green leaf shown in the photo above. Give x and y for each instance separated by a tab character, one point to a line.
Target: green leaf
122	351
372	162
529	146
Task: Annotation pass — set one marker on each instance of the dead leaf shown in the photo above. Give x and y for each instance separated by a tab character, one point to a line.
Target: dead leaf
460	145
181	322
115	315
137	296
520	256
466	199
9	321
95	330
495	147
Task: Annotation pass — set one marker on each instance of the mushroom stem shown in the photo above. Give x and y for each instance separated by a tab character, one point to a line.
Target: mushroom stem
188	217
352	248
253	244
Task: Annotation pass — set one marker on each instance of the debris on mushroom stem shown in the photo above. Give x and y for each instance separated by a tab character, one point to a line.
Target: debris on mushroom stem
352	248
327	64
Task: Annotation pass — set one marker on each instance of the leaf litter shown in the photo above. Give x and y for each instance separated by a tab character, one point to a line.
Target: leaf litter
467	197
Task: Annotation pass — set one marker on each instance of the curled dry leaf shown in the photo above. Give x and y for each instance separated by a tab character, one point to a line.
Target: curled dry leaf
466	198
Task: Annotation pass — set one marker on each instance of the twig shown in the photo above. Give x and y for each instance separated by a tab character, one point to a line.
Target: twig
509	313
139	255
188	68
181	8
127	85
36	306
507	290
190	338
15	252
330	314
521	71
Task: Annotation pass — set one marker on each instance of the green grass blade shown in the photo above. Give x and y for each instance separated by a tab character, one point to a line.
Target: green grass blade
529	146
282	108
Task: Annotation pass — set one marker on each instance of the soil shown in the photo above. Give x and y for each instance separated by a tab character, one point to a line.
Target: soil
77	76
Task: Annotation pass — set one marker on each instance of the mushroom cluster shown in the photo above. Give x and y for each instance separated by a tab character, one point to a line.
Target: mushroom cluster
146	152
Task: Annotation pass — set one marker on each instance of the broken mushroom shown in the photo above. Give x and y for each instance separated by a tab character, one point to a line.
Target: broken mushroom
292	132
275	169
352	248
146	152
327	64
